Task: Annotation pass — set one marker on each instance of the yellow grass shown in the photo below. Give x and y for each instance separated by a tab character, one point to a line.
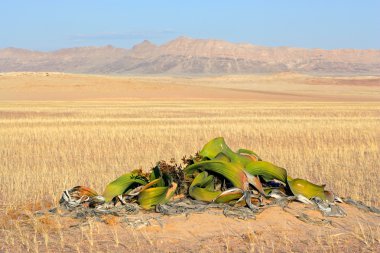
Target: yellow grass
48	147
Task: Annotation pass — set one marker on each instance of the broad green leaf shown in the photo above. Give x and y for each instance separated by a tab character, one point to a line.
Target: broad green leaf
307	189
222	157
157	195
214	148
202	188
152	196
229	195
210	185
141	188
232	172
219	150
121	185
252	154
203	194
150	184
266	170
202	180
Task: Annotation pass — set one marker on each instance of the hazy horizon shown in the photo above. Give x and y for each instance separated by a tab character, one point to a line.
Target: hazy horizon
48	26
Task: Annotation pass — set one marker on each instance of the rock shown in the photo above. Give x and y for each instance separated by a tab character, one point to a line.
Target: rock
360	205
329	209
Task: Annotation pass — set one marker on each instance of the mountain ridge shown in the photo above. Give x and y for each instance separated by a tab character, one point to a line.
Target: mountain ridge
185	55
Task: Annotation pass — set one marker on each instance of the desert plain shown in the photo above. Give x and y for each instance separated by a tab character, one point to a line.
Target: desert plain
61	130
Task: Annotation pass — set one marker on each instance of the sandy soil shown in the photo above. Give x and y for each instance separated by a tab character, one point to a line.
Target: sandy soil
277	87
273	230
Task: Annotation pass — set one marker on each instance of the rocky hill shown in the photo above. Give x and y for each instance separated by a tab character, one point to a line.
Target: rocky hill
193	56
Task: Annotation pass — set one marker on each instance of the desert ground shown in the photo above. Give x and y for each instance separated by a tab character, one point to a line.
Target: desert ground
62	130
37	86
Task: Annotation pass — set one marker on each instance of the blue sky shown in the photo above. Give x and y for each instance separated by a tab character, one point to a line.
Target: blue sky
49	25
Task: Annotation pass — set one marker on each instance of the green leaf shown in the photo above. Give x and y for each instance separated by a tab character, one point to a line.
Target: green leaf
202	180
307	189
214	148
222	157
203	194
139	189
232	172
218	149
229	195
121	185
243	151
157	195
266	170
202	188
151	197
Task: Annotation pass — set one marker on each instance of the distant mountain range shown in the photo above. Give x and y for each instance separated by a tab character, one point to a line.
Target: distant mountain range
193	56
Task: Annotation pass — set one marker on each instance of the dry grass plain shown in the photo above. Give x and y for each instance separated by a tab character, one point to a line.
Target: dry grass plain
49	146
